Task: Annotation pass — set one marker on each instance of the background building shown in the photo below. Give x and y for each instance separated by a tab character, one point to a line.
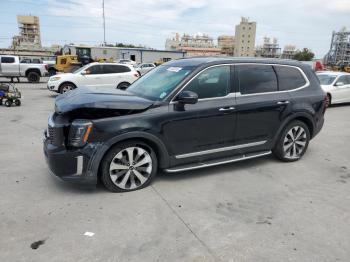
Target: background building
29	33
245	38
288	52
269	49
196	41
339	53
227	44
139	55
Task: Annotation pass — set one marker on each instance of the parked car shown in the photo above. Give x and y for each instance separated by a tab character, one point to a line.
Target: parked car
336	85
183	115
105	75
11	67
144	68
127	61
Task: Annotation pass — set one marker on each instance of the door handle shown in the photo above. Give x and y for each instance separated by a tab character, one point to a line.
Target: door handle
223	109
283	102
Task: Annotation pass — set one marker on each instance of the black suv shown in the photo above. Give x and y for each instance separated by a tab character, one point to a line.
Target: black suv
184	115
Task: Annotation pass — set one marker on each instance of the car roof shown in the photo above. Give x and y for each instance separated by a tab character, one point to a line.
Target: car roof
200	61
103	63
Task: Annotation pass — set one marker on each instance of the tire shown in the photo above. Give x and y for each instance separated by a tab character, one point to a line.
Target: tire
0	102
139	73
33	77
123	85
118	173
17	102
292	145
65	87
328	100
8	103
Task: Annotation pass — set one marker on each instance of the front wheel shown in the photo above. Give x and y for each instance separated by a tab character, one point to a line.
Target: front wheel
293	142
8	103
128	166
66	87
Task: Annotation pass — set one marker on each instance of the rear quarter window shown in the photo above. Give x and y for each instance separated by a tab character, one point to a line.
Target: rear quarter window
7	60
289	78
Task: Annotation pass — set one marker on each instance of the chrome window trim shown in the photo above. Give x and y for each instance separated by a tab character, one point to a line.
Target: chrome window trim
189	81
307	82
220	149
238	94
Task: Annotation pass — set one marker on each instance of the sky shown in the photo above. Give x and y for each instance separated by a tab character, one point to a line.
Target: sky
303	23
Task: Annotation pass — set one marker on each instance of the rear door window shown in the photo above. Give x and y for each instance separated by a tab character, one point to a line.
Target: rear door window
114	69
289	78
255	79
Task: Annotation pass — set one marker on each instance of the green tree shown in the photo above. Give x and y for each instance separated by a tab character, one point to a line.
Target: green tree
304	55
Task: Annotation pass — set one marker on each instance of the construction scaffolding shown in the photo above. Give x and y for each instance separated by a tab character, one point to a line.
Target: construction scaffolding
339	53
29	29
270	48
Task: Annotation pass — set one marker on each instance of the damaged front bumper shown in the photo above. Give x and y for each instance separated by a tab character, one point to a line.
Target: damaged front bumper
73	165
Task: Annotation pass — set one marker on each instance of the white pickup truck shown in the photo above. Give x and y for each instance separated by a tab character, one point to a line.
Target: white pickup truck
11	67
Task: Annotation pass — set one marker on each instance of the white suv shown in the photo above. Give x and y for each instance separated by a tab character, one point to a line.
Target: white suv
103	75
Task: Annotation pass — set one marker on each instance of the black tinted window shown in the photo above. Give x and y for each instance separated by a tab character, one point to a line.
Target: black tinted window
289	78
94	70
256	79
213	82
7	60
113	69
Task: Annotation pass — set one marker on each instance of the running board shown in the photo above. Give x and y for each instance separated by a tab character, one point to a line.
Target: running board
217	162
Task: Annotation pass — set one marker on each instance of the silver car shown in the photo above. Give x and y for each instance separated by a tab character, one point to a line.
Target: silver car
144	68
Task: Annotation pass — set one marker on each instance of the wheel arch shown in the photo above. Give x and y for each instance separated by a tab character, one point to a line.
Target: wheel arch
303	117
150	140
65	82
35	70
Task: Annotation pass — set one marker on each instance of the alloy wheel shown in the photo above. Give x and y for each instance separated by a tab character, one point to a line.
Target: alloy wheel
67	88
130	168
294	142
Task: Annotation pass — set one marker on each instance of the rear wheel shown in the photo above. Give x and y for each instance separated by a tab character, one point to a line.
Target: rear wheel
17	102
8	103
128	166
293	142
123	86
33	77
65	87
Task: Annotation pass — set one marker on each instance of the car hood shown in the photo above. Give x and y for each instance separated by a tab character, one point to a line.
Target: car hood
98	98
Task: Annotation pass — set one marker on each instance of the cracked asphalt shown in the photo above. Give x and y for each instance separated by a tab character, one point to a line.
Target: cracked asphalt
257	210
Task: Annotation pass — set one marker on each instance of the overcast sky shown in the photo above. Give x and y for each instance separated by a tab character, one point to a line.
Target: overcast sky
304	23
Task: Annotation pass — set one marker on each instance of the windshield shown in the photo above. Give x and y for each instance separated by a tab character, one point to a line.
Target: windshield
326	79
81	69
159	82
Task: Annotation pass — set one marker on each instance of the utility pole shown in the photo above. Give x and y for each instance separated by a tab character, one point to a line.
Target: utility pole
104	22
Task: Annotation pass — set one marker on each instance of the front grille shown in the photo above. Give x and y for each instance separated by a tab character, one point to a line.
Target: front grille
51	134
55	135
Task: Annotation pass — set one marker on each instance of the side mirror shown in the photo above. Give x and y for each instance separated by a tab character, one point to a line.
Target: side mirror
339	84
187	97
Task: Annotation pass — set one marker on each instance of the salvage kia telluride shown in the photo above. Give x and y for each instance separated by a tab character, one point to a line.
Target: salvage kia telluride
183	115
